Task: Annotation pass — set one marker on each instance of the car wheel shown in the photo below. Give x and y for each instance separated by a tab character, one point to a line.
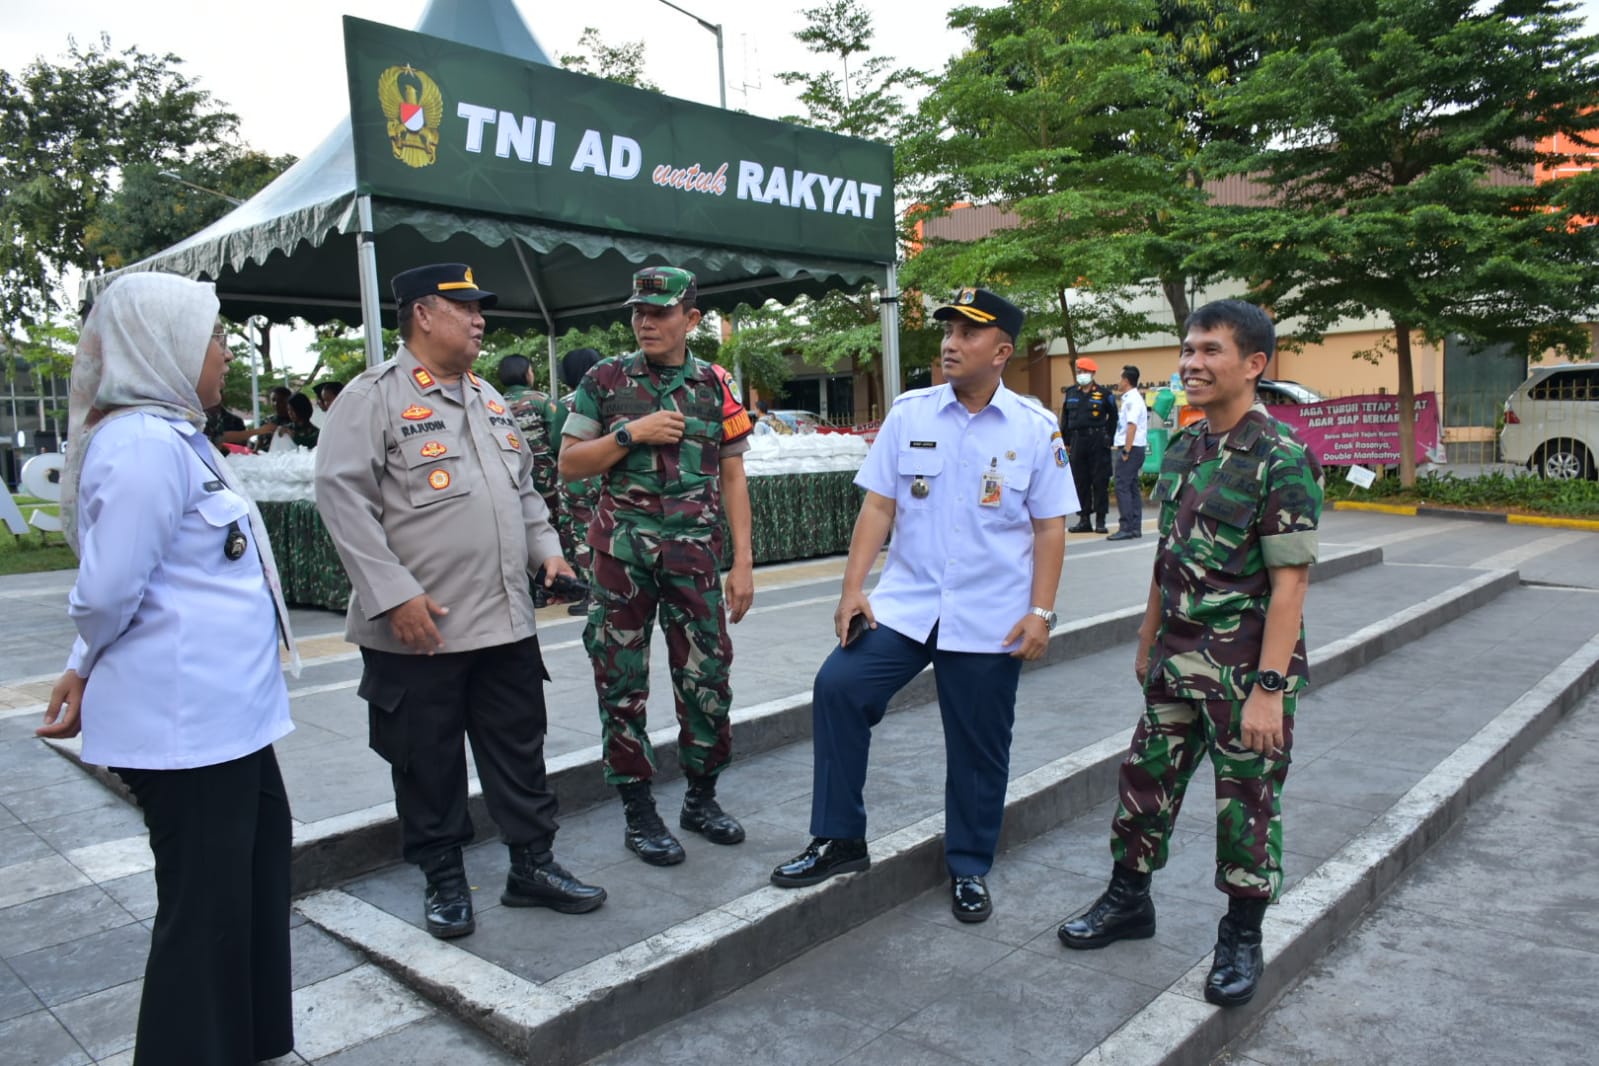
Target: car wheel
1564	461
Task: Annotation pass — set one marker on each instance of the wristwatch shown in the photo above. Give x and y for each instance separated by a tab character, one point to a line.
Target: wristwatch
1046	614
624	438
1271	681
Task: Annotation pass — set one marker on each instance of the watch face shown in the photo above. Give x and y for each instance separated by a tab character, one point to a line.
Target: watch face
1271	681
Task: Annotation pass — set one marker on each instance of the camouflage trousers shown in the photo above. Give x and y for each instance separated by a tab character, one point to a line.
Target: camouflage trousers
621	619
571	520
1166	748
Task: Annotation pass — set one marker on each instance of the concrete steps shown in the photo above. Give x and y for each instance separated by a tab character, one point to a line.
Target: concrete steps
561	989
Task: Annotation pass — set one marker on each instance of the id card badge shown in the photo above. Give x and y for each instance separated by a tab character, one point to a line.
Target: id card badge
993	487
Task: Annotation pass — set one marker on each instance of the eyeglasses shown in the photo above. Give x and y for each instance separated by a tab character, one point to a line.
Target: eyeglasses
220	335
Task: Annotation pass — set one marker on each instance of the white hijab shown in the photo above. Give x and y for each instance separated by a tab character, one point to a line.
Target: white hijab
141	349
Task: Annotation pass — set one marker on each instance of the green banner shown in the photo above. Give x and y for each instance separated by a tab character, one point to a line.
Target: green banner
443	123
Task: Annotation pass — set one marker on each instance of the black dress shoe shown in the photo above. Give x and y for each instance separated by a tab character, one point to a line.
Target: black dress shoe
581	607
1101	528
1081	527
447	900
821	860
1238	962
1125	534
969	899
1123	912
547	884
703	815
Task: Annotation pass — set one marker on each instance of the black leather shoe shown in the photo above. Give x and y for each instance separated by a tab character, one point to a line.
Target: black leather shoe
703	815
1124	534
820	860
969	899
1238	963
581	607
646	835
532	883
1123	911
1101	528
1081	527
541	597
447	900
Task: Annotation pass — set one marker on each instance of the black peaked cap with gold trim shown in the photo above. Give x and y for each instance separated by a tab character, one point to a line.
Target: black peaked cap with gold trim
985	309
453	281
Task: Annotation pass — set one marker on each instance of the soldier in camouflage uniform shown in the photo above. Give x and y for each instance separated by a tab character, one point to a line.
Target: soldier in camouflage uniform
666	433
577	497
1221	651
535	415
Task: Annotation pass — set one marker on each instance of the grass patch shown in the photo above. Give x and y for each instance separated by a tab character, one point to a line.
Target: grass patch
1497	491
35	551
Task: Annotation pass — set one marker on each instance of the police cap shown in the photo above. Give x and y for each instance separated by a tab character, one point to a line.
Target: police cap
453	281
985	309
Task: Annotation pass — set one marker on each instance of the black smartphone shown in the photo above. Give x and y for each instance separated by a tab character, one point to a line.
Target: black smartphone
857	626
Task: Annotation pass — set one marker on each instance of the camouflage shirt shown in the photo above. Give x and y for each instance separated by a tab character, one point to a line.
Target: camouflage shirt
535	414
660	502
1231	508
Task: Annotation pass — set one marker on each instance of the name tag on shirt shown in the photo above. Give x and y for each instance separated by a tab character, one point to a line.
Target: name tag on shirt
924	444
212	486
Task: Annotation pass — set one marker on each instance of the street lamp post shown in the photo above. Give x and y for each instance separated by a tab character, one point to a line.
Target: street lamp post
721	67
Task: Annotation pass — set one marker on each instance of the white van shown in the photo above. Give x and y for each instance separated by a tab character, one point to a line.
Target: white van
1552	422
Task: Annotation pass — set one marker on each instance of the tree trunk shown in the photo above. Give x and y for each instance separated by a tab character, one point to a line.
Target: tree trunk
1066	321
265	348
1176	290
1407	406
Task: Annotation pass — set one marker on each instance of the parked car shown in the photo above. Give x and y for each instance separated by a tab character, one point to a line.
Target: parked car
1552	422
1286	392
798	421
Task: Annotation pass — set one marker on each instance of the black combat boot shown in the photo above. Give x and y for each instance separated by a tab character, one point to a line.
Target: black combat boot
1236	968
1082	525
447	901
703	815
537	880
647	836
1123	911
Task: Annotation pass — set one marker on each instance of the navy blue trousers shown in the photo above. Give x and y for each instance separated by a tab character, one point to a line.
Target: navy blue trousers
977	700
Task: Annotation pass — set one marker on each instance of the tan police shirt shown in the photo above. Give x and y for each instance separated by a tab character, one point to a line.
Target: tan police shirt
425	493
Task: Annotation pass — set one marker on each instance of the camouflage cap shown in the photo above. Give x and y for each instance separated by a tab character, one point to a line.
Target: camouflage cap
662	286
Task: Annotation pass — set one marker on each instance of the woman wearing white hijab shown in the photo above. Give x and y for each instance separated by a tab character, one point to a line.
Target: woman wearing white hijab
175	677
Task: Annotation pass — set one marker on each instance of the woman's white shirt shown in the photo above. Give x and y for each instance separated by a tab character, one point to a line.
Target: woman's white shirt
179	643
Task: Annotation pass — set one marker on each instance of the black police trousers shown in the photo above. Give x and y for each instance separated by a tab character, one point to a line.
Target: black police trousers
420	707
1090	459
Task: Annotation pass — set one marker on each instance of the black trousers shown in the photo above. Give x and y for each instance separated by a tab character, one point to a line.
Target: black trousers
419	708
1091	471
217	986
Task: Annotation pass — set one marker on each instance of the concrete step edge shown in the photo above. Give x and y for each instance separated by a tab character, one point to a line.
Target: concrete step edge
1178	1028
598	1006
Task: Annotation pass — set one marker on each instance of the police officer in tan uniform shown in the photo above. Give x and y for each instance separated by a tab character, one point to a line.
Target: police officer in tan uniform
425	483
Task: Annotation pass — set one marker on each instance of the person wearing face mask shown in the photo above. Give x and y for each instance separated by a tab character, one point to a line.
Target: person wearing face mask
1087	420
172	552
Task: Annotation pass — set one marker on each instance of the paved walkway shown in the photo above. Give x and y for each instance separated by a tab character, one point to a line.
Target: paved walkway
76	894
1488	953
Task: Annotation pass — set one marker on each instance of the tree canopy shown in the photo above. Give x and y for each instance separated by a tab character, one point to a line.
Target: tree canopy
1398	139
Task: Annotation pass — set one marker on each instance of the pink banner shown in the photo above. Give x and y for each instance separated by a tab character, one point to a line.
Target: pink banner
1363	429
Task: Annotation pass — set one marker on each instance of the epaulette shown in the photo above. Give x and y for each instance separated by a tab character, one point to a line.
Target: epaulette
909	393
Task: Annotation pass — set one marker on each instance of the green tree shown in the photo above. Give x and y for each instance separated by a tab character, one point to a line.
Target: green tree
621	63
1398	139
66	131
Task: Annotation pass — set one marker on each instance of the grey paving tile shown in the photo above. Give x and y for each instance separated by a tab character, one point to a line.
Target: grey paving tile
773	1034
37	1039
15	997
315	956
1053	1011
58	919
1318	829
55	801
104	1022
891	1049
28	764
94	826
136	893
64	972
19	843
1350	783
424	1043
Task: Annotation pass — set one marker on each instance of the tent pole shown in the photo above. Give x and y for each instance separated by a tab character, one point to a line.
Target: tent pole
367	262
888	317
549	323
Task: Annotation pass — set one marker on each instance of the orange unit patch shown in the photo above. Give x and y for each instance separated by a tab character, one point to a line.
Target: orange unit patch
514	441
496	407
439	479
416	413
423	378
433	449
